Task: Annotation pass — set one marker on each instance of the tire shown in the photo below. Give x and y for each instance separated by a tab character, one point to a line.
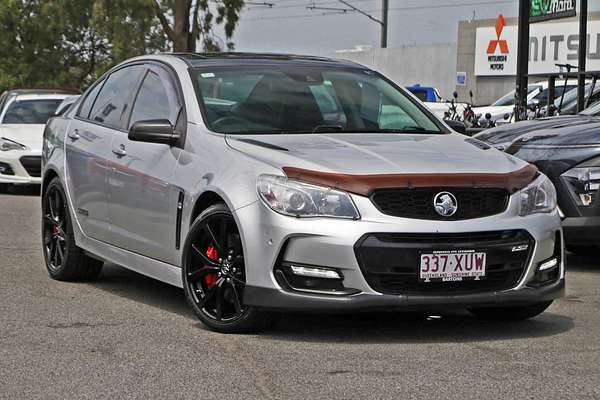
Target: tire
64	260
517	313
587	251
214	289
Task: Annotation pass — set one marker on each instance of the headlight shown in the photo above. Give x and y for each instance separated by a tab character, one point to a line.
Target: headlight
299	199
538	197
7	144
584	182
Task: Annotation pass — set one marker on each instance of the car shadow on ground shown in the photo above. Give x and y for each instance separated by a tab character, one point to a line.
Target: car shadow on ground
447	327
583	263
140	288
21	190
370	327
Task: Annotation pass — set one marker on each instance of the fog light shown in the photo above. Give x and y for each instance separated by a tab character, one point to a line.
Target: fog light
315	272
553	262
5	169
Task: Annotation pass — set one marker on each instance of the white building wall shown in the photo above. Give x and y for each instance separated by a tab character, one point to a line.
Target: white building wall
430	65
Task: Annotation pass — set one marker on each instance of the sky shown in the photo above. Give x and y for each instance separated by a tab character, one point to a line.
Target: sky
290	27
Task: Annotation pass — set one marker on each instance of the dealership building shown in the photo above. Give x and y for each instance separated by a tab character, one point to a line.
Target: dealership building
484	57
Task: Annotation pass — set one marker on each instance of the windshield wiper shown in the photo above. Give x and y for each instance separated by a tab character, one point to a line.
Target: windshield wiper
408	129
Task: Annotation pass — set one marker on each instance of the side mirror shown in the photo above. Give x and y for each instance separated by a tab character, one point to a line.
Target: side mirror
455	94
154	131
458	126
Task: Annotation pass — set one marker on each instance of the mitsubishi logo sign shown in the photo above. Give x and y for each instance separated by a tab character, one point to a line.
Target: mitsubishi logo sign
503	44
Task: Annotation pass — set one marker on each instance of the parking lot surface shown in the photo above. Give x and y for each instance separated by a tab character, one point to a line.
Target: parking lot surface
128	336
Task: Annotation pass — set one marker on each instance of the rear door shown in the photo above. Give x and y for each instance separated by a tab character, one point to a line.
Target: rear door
88	148
143	201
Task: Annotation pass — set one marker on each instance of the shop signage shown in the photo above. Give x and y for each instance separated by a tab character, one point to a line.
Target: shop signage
549	44
543	10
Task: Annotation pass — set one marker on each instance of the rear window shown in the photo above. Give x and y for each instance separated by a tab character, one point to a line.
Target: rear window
30	111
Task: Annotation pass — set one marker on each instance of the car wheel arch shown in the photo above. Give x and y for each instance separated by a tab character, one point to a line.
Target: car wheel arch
203	201
49	175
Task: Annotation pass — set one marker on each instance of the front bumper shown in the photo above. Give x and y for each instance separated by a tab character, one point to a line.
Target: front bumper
271	239
284	300
25	166
582	231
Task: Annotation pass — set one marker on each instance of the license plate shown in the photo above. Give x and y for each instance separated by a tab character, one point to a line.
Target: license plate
453	265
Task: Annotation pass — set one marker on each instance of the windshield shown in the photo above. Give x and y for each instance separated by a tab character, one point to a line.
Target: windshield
509	98
30	111
276	99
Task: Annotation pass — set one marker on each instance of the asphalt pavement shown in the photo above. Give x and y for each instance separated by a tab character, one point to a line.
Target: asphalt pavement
128	336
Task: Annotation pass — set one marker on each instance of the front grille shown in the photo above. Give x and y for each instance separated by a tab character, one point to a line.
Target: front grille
390	262
419	202
33	165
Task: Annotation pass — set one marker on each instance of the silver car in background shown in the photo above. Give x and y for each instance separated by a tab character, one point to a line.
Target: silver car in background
266	183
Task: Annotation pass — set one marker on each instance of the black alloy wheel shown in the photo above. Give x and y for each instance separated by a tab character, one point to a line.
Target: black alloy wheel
55	237
214	275
64	260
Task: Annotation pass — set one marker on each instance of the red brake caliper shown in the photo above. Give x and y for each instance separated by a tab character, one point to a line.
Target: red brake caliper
211	279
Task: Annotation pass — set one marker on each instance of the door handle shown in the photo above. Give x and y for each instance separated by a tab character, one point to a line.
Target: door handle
119	151
74	135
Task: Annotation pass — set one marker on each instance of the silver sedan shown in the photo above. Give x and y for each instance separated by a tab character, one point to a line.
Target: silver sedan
266	183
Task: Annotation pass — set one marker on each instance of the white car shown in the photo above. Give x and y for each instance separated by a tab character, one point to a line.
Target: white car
22	120
536	93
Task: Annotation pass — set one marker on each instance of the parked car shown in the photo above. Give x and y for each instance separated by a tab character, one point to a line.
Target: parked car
570	156
567	104
537	93
437	104
503	136
23	115
227	175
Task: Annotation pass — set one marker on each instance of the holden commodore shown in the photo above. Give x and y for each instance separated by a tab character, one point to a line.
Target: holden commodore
269	183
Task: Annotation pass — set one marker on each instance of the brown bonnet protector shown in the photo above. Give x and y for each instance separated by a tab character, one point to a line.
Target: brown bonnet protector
365	184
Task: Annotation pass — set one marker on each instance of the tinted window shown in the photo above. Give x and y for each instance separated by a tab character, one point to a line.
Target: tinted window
112	104
509	98
157	99
558	91
30	111
88	102
282	99
421	94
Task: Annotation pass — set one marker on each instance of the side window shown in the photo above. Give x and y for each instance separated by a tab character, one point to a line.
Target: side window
112	104
157	98
86	105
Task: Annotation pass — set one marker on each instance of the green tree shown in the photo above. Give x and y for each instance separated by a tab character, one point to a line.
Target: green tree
193	21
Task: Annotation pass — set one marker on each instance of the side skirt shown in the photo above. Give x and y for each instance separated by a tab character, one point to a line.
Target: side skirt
146	266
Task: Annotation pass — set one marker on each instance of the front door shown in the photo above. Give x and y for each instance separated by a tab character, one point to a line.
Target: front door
143	201
88	148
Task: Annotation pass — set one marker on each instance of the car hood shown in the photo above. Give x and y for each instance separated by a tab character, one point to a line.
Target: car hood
27	134
565	135
512	132
364	154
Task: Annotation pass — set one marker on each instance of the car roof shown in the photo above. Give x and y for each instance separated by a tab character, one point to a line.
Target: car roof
13	92
233	58
41	96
